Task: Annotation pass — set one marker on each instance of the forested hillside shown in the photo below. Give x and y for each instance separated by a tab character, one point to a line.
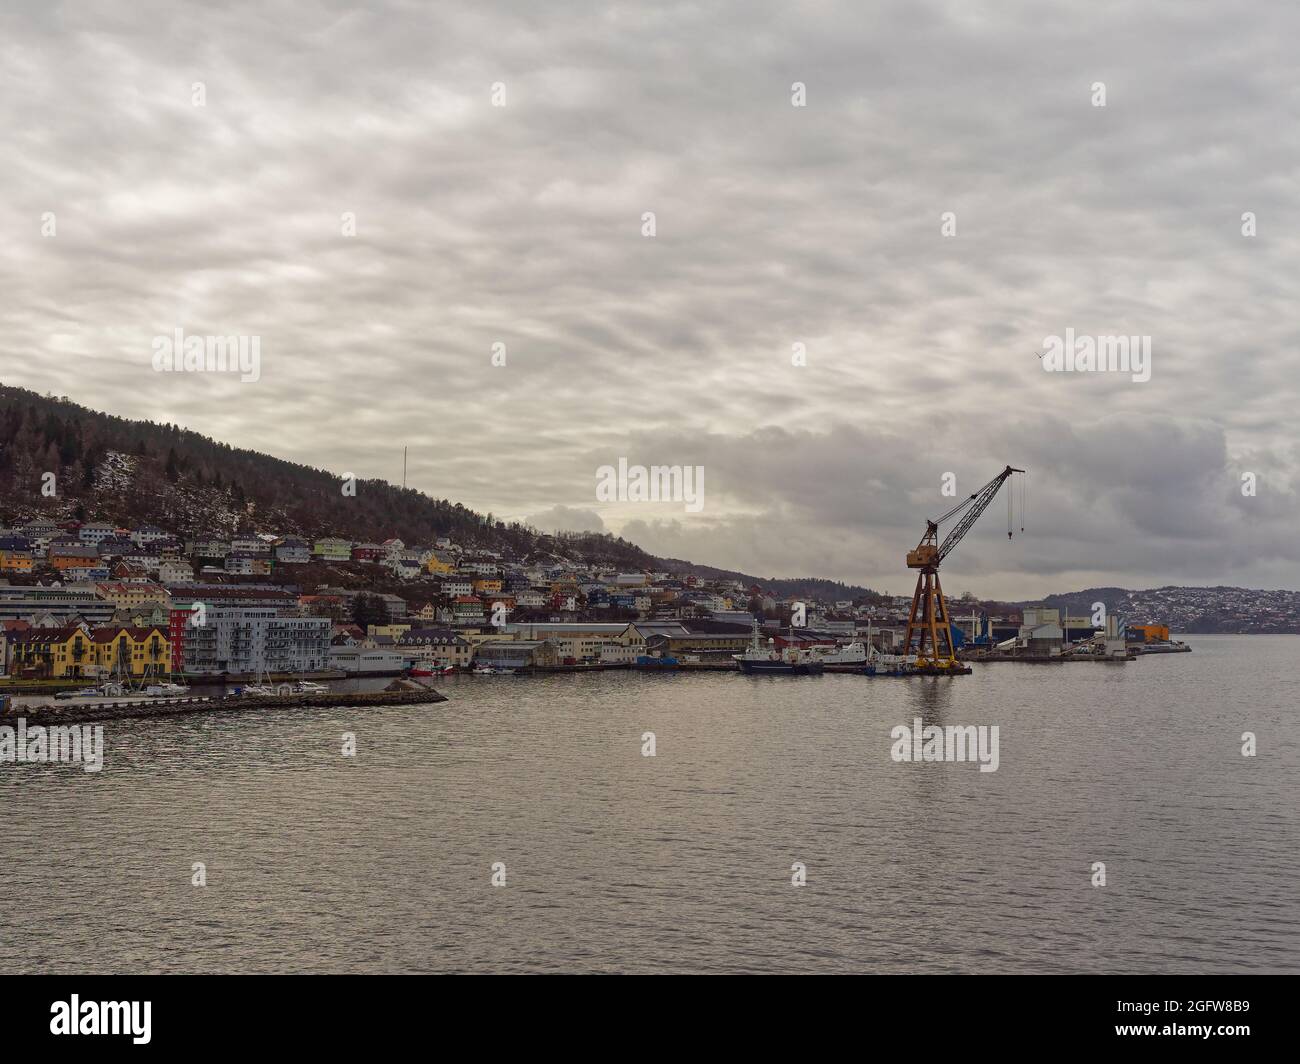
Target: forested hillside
132	472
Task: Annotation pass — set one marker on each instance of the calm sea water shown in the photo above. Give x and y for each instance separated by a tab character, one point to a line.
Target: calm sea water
682	861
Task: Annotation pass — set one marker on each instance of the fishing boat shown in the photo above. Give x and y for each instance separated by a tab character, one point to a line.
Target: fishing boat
768	660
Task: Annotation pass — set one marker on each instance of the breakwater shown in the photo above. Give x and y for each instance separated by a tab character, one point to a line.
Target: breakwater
49	713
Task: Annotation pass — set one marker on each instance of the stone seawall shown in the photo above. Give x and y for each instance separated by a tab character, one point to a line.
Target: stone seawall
150	708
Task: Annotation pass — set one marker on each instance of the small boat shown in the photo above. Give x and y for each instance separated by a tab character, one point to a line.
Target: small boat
491	670
433	670
888	665
166	690
310	687
85	692
257	689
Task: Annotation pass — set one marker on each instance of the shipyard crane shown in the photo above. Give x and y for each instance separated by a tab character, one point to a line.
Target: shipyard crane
928	618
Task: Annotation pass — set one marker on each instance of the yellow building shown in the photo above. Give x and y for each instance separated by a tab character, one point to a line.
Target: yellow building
134	652
131	596
15	561
76	651
435	564
486	585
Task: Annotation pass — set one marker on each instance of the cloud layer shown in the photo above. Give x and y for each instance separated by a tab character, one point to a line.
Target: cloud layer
521	225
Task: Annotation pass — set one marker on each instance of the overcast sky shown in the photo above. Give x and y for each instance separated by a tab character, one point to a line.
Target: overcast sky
775	225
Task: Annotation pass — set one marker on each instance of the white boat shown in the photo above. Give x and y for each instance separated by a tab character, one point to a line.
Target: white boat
310	687
852	654
257	689
85	692
166	690
491	670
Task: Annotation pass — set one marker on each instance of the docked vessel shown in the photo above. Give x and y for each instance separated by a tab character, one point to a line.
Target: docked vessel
852	654
889	665
789	662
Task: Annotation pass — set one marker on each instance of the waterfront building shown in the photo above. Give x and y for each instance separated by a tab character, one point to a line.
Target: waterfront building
517	653
582	640
362	660
435	646
77	651
247	639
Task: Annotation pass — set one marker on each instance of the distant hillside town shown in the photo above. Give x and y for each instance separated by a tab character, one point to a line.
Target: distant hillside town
91	600
87	599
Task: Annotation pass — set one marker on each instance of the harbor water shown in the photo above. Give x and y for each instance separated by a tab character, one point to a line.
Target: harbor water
612	860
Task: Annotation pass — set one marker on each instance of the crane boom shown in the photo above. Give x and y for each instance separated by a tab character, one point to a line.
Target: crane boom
981	499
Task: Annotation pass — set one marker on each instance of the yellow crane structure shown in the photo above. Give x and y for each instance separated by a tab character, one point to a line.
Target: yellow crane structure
929	628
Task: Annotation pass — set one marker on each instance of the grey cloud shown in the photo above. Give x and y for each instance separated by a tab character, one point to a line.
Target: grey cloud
776	225
567	519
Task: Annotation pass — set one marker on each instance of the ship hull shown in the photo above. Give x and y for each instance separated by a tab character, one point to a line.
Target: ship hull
782	668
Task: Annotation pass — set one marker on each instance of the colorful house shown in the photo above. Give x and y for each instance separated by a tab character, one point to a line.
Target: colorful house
330	549
15	561
74	556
